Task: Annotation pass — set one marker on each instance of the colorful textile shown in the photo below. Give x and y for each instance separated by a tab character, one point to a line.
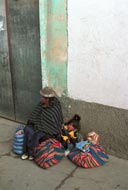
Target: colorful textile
18	140
94	158
70	136
48	153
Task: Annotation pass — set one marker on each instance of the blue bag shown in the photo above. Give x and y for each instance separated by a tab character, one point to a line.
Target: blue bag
18	140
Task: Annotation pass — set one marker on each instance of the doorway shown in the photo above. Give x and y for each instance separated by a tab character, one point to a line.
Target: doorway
20	62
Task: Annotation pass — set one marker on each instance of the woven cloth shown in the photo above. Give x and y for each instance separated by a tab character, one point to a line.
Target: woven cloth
94	158
48	153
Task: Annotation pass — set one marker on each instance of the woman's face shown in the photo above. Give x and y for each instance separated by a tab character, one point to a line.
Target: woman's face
45	102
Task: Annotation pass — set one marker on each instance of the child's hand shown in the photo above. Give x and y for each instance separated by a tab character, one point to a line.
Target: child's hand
72	134
65	138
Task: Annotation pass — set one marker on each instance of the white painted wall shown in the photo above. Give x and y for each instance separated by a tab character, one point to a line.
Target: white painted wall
98	51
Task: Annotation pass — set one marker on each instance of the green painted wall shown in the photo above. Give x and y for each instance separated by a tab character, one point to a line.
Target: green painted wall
53	37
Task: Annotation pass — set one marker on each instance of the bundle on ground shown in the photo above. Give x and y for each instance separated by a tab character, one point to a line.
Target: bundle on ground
48	153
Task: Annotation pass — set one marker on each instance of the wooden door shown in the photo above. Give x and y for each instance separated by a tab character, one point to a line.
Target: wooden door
6	94
25	61
23	23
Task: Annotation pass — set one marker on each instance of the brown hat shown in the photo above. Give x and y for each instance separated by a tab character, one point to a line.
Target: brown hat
47	92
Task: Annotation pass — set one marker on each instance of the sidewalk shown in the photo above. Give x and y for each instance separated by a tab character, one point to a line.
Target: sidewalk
16	174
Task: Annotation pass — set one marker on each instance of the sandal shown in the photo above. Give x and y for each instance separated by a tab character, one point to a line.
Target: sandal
31	158
24	157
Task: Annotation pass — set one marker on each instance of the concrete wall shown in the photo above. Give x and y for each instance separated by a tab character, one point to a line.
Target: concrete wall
98	70
98	56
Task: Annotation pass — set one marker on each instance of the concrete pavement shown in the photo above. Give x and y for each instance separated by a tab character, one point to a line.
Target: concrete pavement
16	174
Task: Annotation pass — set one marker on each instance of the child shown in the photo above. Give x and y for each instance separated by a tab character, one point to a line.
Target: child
70	135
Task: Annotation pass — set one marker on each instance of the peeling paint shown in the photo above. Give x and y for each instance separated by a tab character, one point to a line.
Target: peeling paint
53	34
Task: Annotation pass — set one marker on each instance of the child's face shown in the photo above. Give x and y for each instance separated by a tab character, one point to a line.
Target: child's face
71	127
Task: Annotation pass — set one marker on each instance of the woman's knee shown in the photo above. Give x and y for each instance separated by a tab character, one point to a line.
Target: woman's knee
28	129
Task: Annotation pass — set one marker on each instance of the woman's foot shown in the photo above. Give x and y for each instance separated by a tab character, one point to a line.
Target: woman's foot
31	158
24	157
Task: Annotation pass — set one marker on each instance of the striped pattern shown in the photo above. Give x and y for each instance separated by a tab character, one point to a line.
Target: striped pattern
94	158
18	140
49	119
48	153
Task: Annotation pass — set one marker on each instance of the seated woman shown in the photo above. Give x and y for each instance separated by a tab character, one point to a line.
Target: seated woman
45	120
51	151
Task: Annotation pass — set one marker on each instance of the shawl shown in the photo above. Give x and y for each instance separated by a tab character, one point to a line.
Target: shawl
50	119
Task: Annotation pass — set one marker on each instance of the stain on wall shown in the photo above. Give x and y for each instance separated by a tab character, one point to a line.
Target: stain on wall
53	35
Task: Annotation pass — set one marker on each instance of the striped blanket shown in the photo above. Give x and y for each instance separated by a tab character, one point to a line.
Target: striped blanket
49	120
48	153
94	158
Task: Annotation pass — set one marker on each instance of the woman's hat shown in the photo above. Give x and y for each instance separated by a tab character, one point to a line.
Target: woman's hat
47	92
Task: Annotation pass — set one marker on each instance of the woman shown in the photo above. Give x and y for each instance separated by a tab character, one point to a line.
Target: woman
45	121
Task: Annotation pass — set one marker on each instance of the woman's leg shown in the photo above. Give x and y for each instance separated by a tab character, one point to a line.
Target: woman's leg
28	133
35	141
